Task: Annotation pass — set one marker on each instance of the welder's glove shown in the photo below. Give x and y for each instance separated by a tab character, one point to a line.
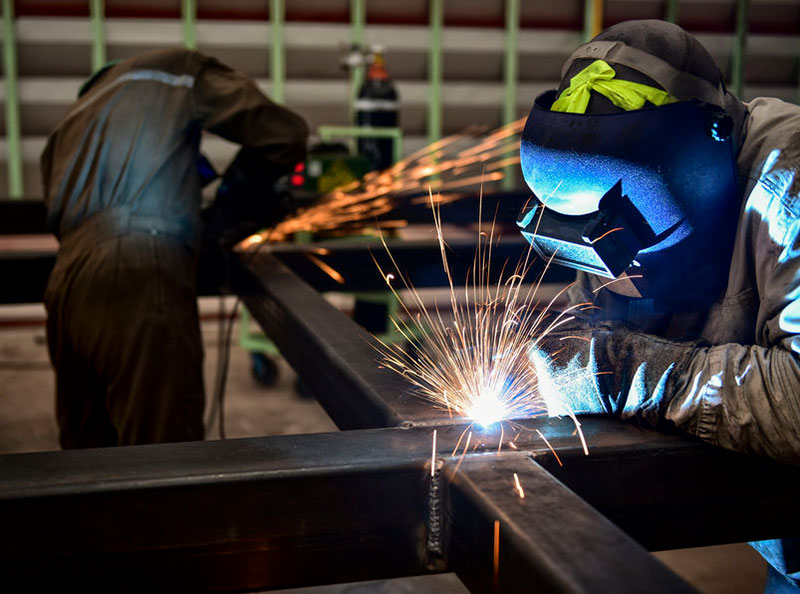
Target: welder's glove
247	200
608	368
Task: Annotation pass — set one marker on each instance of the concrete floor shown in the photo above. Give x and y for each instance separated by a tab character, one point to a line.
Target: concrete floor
27	424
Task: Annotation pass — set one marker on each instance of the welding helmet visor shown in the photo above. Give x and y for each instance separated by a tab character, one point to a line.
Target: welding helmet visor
631	191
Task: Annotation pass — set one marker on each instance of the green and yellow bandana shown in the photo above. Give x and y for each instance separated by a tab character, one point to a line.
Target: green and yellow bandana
599	76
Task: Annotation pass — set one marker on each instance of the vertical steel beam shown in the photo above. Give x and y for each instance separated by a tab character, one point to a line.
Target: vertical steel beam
592	18
672	11
189	13
435	71
13	138
97	11
510	76
739	54
277	69
358	18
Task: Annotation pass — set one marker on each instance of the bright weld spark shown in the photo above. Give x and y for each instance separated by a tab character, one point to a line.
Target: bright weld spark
464	453
496	556
519	487
615	280
473	360
433	455
549	446
334	274
609	232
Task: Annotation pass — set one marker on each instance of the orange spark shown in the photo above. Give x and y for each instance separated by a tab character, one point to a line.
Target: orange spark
519	487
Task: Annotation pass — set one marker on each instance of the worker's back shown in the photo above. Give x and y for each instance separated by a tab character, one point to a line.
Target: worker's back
131	141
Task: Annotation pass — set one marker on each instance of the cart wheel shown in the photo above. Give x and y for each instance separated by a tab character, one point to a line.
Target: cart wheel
265	370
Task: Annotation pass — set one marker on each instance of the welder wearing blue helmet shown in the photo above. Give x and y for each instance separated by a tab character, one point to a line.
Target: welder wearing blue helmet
680	207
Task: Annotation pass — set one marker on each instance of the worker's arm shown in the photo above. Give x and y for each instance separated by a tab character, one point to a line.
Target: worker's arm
738	396
232	106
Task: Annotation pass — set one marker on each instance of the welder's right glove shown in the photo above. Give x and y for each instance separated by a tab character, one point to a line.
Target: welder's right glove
609	368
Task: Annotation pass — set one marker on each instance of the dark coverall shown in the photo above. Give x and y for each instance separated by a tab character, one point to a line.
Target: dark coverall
123	197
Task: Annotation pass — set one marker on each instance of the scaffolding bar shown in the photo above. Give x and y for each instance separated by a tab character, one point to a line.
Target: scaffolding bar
16	188
510	78
189	13
435	70
97	9
739	55
277	71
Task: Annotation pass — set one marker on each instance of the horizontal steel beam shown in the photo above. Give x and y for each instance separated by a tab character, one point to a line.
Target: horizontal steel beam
258	513
236	515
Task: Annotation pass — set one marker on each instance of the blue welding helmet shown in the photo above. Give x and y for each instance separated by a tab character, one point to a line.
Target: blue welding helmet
651	194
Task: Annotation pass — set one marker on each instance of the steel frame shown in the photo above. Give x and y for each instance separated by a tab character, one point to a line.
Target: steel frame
251	514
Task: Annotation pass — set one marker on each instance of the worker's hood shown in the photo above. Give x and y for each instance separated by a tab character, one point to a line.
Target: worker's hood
649	194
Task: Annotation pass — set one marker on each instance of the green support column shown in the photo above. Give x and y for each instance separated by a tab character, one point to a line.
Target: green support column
358	18
510	76
672	11
277	52
189	12
592	18
97	11
13	139
435	71
739	54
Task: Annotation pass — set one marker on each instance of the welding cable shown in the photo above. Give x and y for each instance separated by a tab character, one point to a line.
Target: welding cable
224	335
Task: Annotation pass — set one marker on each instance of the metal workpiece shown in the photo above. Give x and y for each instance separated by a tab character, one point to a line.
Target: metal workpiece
235	515
248	514
685	493
337	359
515	528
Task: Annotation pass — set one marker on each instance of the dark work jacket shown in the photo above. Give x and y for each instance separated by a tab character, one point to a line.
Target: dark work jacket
131	142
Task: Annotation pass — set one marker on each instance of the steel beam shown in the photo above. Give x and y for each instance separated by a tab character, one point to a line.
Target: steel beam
250	514
336	359
541	538
235	515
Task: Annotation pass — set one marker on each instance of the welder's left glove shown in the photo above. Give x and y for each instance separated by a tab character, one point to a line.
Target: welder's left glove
609	368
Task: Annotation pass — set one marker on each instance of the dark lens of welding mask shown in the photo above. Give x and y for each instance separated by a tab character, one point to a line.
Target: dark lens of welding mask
632	188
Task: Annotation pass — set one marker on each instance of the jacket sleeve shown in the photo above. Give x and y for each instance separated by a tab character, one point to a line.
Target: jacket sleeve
747	397
744	397
232	106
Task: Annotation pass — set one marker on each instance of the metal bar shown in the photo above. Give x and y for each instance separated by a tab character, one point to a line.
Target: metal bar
592	18
236	515
435	70
97	10
739	55
419	261
510	77
277	71
358	18
16	187
672	12
550	541
189	12
532	547
327	133
251	514
335	357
